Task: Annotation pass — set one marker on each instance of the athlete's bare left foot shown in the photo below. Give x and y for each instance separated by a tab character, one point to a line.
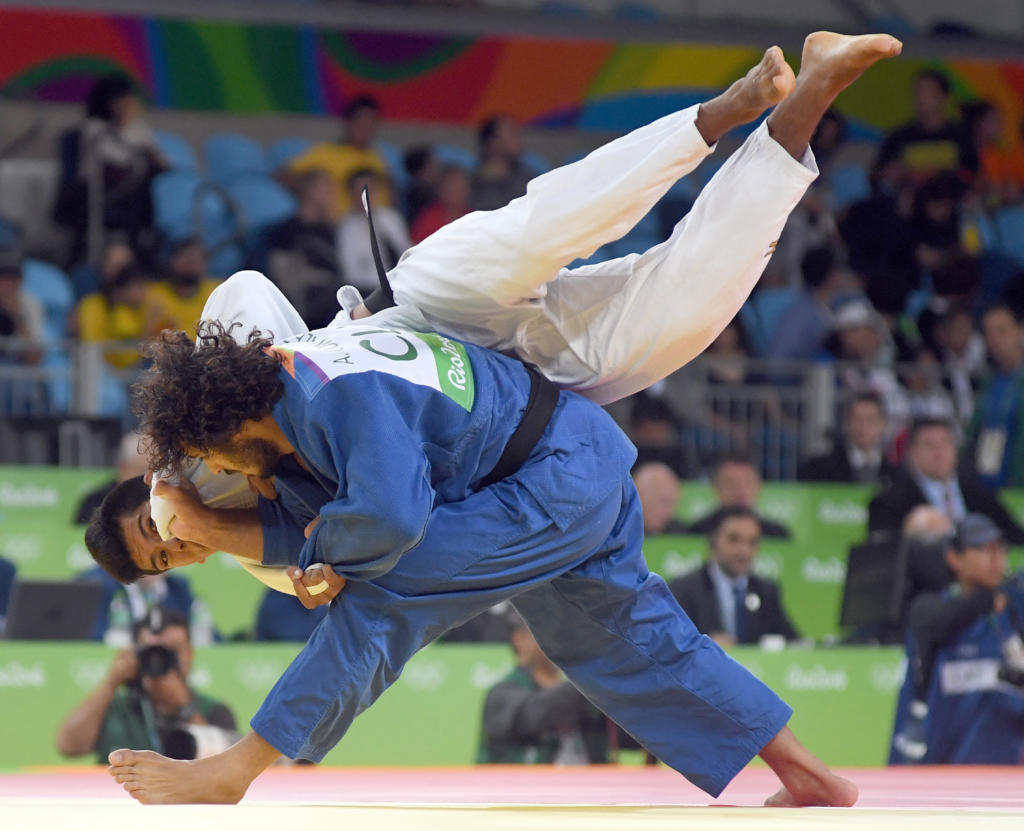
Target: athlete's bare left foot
153	779
765	85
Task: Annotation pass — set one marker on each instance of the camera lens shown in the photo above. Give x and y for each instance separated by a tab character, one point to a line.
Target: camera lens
156	660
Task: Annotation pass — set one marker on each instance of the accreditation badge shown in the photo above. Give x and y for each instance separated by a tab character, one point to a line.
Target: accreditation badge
988	457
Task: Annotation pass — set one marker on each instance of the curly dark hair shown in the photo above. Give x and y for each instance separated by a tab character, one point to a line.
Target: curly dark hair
104	536
198	394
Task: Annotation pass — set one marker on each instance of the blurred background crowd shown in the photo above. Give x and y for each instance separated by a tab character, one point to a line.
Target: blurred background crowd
882	349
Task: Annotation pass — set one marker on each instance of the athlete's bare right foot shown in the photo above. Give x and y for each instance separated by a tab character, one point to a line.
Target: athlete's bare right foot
806	780
765	85
835	61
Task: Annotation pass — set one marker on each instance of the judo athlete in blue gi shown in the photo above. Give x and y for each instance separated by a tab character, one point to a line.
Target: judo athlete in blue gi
383	444
962	702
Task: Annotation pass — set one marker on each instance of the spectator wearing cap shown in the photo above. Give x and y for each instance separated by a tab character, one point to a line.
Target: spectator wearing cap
724	598
996	433
21	315
737	484
352	152
858	454
930	476
866	351
963	698
535	716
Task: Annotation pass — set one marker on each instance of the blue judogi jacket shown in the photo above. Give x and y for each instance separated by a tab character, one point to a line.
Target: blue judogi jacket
385	446
972	718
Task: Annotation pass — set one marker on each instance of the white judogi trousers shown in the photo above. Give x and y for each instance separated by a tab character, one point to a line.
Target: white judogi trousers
499	278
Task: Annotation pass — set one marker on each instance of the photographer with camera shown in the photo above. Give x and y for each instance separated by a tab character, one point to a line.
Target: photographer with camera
145	700
963	698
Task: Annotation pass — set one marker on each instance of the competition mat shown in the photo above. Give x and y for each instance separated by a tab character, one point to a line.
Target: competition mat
519	799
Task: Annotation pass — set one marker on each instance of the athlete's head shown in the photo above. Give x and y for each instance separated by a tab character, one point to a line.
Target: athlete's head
123	539
205	398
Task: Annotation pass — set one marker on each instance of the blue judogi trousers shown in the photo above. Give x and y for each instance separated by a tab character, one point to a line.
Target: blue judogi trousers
586	593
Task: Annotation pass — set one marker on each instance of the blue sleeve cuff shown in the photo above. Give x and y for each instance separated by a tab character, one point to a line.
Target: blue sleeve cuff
282	538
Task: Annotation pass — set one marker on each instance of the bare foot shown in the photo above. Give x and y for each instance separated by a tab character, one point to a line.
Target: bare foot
153	779
830	791
806	780
836	61
764	86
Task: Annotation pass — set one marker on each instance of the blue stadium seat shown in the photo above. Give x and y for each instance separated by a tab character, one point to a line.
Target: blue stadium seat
177	151
848	184
1009	225
52	288
453	154
261	200
395	161
282	151
761	315
174	198
229	155
535	163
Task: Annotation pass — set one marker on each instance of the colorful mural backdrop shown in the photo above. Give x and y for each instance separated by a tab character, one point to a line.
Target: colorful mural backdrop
53	56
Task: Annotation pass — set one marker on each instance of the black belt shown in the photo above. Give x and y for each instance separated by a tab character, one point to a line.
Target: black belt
539	408
543	394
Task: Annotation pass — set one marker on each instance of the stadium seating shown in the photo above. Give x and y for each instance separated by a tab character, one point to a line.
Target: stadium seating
282	151
177	151
229	155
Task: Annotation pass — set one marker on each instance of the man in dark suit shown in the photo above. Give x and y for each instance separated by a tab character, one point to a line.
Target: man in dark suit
723	598
858	454
930	476
737	484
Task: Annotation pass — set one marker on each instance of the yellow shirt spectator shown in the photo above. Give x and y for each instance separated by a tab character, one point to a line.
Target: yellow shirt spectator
101	320
167	309
341	161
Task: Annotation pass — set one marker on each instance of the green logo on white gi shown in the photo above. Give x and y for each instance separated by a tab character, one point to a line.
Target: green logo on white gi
443	366
454	372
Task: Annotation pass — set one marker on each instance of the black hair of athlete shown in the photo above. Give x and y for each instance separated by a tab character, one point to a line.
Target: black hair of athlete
104	536
196	395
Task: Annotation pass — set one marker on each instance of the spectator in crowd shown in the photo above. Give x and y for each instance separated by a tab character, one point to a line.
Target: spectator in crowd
930	476
929	144
500	176
659	489
829	136
858	454
724	598
130	463
353	236
145	701
535	716
737	484
116	150
452	202
996	432
933	240
21	315
926	532
424	171
117	255
804	326
926	396
352	153
865	347
962	353
177	301
7	572
303	257
654	429
282	617
1000	179
962	701
116	312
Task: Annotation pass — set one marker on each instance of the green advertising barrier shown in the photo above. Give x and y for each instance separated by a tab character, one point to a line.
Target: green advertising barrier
36	532
843	698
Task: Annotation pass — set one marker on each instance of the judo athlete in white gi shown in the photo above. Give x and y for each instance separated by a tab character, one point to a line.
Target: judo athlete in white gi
385	463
